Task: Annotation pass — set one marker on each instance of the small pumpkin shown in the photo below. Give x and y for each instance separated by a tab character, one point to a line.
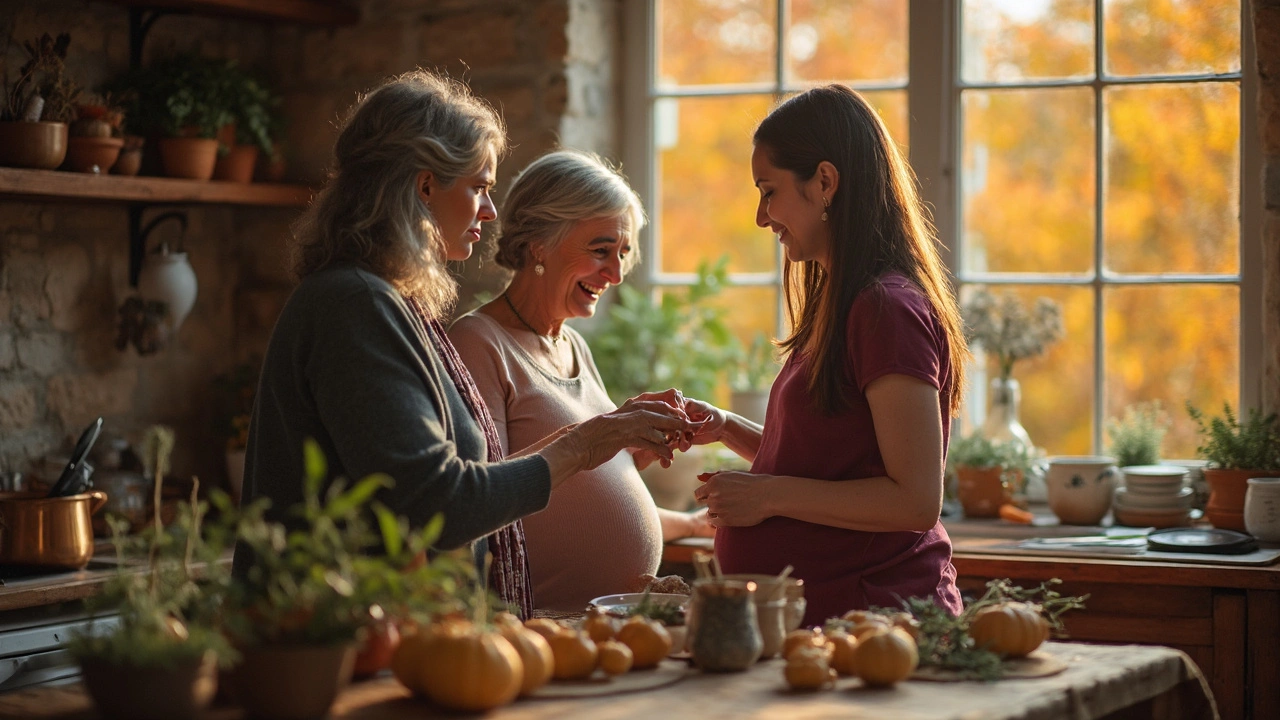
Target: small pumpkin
648	639
865	627
906	622
615	658
469	668
807	669
575	655
545	627
843	644
535	653
802	638
408	656
598	626
885	656
1012	629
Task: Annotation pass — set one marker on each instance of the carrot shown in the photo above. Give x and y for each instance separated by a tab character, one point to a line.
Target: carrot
1015	514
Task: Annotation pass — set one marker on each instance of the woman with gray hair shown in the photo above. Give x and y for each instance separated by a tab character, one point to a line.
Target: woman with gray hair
360	362
568	225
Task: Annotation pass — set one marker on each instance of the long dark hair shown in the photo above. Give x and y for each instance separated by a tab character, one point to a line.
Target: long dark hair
877	222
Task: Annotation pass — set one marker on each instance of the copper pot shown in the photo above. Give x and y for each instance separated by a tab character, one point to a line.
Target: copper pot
48	531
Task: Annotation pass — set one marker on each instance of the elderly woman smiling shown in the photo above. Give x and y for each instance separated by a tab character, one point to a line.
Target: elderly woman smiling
567	229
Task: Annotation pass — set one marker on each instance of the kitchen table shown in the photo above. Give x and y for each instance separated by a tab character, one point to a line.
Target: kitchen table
1099	682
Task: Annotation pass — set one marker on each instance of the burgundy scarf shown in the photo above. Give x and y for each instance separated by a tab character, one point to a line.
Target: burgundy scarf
509	573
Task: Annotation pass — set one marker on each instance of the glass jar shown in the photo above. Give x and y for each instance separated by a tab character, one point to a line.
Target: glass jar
725	632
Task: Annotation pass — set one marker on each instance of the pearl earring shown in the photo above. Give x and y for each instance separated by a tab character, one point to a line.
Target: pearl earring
539	270
826	203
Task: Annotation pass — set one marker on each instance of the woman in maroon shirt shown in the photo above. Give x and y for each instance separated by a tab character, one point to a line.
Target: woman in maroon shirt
846	476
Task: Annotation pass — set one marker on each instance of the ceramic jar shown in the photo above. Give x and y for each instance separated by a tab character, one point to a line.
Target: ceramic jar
167	276
1080	487
725	631
1262	509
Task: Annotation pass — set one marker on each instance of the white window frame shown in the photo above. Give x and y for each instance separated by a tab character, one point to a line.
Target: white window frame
933	99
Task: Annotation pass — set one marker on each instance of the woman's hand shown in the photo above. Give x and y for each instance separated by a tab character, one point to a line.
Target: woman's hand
734	498
646	425
709	420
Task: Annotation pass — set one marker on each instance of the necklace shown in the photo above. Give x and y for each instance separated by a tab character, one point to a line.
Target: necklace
555	339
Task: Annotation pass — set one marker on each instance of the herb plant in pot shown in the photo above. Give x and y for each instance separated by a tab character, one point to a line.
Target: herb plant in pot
252	108
159	660
38	106
297	613
95	138
680	341
1236	451
988	472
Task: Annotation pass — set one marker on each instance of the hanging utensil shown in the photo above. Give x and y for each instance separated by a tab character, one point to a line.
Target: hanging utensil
75	477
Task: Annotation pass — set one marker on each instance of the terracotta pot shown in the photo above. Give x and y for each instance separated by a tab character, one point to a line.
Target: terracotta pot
39	145
1226	495
170	692
237	165
292	682
130	160
191	158
93	154
981	491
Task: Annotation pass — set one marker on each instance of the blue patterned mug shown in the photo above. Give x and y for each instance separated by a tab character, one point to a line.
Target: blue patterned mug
1080	487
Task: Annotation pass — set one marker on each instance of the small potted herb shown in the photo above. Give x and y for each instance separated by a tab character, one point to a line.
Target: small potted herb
312	589
253	108
988	472
38	106
1137	436
1236	451
158	661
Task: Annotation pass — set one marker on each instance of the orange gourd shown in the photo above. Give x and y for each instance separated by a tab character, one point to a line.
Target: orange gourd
409	655
544	627
598	626
807	669
885	656
648	639
465	667
615	658
803	638
575	655
535	653
843	644
1012	629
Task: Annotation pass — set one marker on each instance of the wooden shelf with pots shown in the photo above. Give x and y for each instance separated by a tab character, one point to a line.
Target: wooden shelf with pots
56	185
310	12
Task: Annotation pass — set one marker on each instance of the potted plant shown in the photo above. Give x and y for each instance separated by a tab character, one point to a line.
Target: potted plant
680	341
253	109
752	379
1236	452
181	100
988	472
38	106
300	608
158	661
95	138
234	391
1136	437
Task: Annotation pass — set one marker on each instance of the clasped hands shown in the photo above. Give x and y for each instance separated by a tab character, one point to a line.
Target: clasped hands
706	421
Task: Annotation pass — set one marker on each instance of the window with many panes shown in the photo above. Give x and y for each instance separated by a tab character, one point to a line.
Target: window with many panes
1089	151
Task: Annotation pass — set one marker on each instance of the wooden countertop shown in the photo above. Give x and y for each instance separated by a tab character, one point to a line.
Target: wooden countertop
1098	682
57	587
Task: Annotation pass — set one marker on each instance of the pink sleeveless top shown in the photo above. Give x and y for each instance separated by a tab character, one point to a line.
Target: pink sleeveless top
892	331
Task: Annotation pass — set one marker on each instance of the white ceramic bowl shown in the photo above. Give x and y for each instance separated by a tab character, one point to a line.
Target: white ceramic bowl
1080	487
1180	500
1154	478
1151	518
621	605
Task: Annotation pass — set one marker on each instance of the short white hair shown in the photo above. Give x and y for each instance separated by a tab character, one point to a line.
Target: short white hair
556	192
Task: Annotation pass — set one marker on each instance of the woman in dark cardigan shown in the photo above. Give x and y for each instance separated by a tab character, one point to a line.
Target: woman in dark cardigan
359	361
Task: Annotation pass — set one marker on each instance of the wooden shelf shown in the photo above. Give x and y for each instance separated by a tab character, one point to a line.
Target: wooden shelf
311	12
58	185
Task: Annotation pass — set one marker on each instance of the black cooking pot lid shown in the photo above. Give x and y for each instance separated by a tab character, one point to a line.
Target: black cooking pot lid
1202	540
74	479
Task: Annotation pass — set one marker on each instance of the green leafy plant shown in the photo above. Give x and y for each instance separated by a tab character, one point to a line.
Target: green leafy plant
681	341
1229	444
254	108
43	90
668	614
181	95
976	451
756	365
943	640
168	612
343	560
1137	436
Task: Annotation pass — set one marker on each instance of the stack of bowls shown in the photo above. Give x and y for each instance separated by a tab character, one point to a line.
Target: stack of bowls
770	599
1153	496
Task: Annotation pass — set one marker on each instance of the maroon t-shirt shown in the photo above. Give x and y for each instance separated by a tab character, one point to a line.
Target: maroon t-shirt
891	330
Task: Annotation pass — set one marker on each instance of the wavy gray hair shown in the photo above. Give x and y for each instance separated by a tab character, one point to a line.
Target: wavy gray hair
556	192
369	213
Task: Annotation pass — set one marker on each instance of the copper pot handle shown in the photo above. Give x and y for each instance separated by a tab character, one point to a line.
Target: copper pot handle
99	499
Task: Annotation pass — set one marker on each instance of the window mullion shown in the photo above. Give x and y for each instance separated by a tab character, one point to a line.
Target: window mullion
1099	220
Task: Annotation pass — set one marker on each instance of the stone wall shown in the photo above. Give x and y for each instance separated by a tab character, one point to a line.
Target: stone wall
1266	26
547	65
